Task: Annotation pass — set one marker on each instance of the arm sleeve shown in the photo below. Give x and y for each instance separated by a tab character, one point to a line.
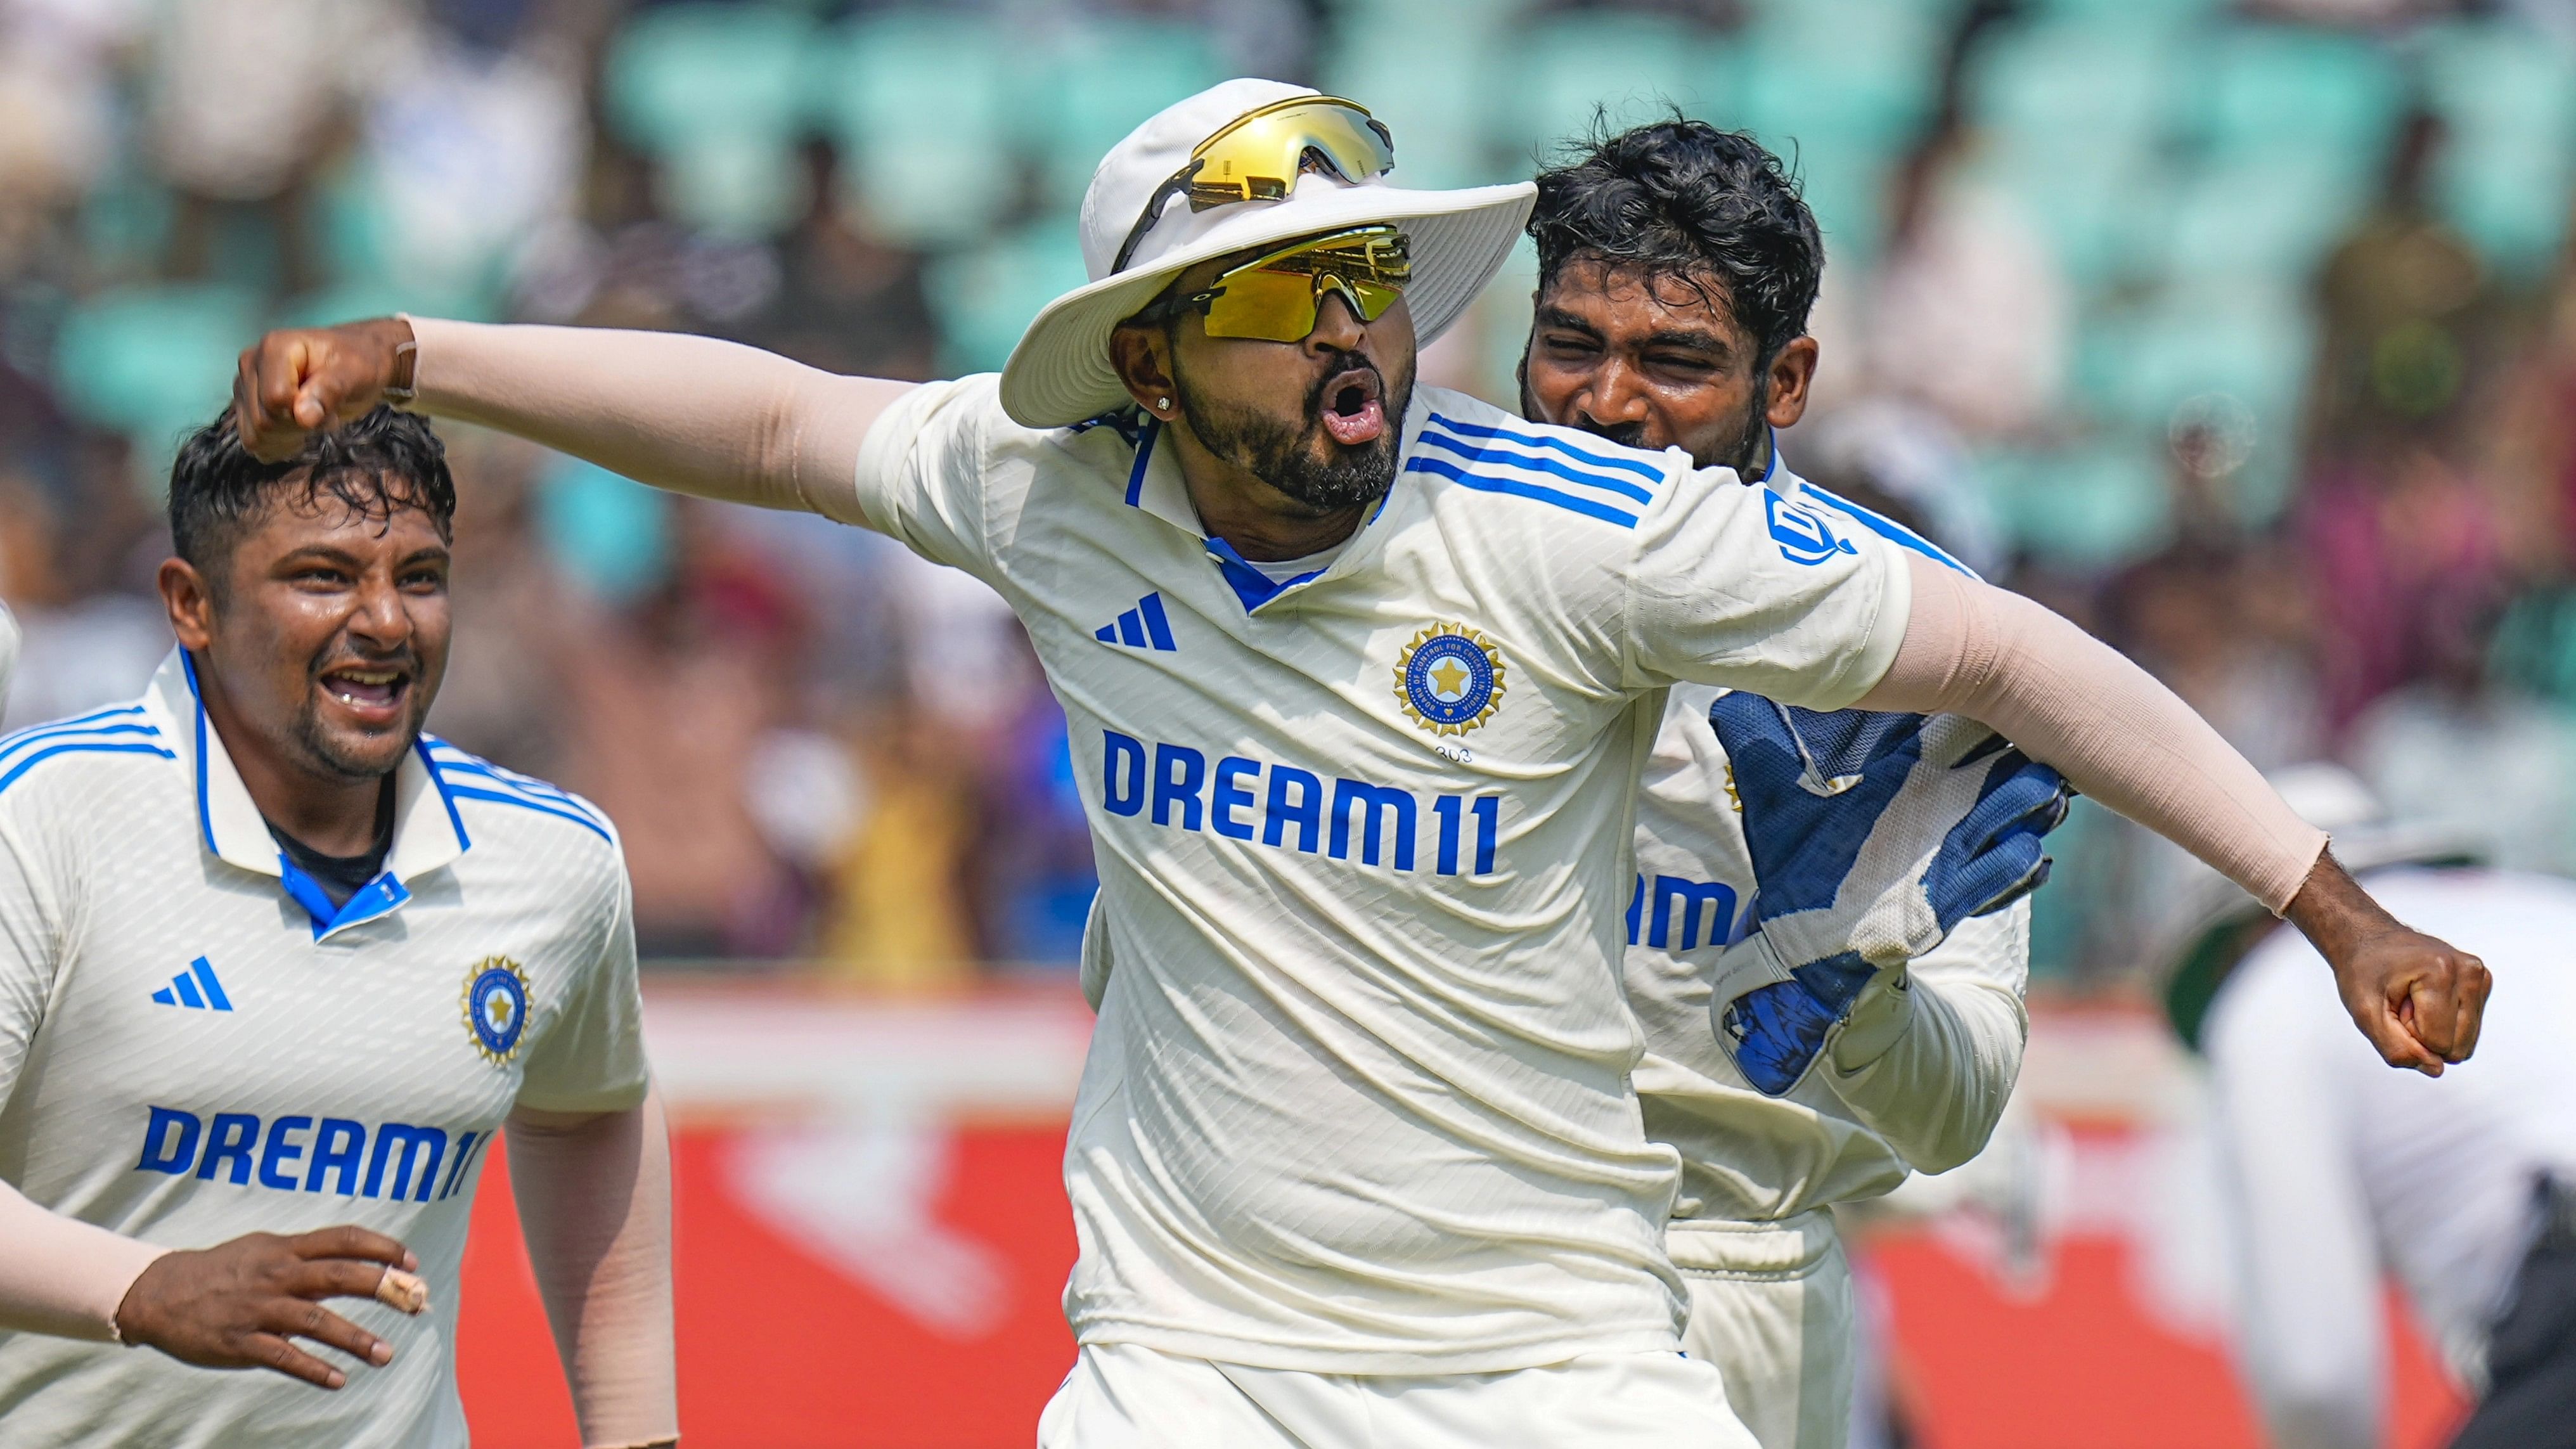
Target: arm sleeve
595	1207
591	1058
1930	1066
1736	585
2073	702
58	1275
723	421
2309	1322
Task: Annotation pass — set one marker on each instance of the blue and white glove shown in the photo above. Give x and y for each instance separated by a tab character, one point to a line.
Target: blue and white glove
1872	834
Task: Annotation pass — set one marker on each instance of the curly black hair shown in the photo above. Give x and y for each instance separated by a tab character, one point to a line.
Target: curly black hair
1682	199
373	466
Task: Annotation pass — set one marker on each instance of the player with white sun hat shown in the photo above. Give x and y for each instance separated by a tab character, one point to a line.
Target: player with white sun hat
1359	678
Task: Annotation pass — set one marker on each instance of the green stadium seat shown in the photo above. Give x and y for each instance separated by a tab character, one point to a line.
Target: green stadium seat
717	94
1860	70
153	362
2069	85
985	298
1555	73
2280	87
611	534
919	102
2139	366
1104	77
2091	506
2269	215
1431	88
2508	93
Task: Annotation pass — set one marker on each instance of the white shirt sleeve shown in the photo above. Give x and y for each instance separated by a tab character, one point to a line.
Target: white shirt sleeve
2310	1321
1930	1067
1736	585
591	1058
33	912
923	474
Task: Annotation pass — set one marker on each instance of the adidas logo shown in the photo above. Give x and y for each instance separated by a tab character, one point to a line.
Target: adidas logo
1144	626
184	989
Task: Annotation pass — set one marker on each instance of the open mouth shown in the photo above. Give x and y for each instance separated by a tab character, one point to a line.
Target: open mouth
366	690
1353	410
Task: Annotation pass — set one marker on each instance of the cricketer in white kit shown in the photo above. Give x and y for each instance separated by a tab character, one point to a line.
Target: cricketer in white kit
1355	1156
200	1040
1677	267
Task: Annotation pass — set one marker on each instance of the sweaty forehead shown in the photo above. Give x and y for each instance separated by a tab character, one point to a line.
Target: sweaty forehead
1627	299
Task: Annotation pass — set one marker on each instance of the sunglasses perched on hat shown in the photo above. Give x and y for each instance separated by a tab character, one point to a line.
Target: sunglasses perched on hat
1258	157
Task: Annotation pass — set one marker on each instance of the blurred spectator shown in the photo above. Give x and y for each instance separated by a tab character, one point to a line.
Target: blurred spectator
236	150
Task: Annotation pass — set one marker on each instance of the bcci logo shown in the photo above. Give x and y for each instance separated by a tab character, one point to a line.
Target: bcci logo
496	1007
1450	679
1802	533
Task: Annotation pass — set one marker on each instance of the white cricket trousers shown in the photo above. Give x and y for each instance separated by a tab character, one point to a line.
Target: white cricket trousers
1124	1396
1772	1307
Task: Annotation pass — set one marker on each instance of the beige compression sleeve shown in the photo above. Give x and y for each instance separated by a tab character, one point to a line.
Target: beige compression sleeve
62	1276
2073	702
594	1199
690	414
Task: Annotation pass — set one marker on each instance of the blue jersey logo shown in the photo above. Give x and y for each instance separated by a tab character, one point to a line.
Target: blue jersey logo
1802	533
496	1007
1450	679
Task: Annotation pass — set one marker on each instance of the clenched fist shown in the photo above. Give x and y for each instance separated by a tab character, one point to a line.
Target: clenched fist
307	379
239	1304
2418	999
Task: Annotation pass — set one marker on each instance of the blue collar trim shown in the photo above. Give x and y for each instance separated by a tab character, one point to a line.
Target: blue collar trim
1144	455
1772	472
1250	584
379	897
205	817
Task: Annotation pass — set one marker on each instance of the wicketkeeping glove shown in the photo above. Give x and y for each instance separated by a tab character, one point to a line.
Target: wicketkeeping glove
1872	834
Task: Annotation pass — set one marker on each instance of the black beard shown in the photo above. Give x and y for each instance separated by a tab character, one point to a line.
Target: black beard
1306	463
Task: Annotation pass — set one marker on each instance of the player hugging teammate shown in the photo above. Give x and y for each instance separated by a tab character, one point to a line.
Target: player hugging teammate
275	968
1357	1156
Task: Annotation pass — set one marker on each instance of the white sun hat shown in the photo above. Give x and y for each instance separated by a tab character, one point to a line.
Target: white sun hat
1060	372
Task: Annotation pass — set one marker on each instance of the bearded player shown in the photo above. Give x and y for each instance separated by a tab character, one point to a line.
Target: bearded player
1360	678
275	968
1677	265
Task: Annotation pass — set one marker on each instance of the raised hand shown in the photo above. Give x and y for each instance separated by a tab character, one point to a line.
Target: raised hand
1872	835
240	1304
2419	1000
299	381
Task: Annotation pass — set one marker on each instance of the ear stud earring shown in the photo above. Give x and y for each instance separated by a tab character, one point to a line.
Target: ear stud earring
1162	404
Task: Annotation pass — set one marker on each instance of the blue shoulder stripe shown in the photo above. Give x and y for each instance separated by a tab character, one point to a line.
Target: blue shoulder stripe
103	733
1572	504
472	778
1889	528
1638	466
525	802
79	747
1536	464
524	784
93	717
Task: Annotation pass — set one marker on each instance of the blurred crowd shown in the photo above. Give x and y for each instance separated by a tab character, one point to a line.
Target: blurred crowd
2242	333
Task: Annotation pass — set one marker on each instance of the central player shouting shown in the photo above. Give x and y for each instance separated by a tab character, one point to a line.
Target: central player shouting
1360	678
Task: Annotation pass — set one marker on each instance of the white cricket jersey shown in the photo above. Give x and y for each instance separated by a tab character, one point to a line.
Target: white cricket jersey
1931	1098
1358	1100
195	1045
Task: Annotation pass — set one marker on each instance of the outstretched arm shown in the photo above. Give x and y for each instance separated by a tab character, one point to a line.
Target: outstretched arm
594	1196
690	414
2126	740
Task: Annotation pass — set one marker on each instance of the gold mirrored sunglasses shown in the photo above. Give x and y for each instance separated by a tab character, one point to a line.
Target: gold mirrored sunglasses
1259	155
1274	298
